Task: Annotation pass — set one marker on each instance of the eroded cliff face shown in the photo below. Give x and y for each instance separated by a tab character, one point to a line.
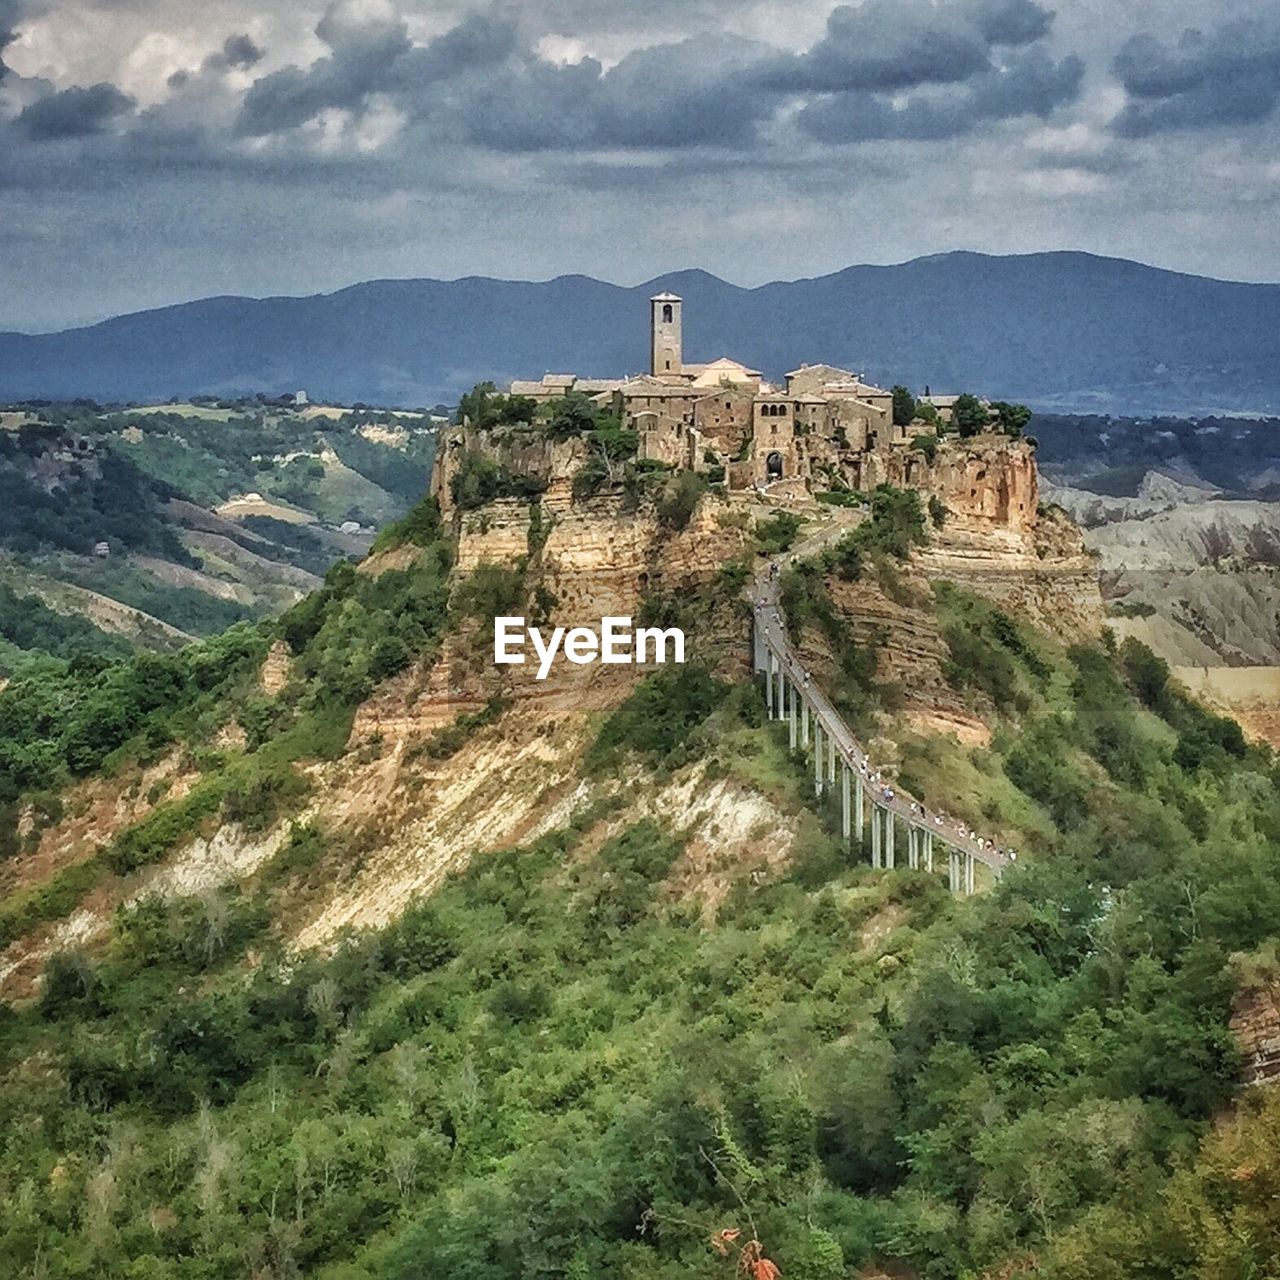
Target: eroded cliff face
910	651
584	562
527	452
987	482
1042	571
1255	1023
995	541
599	559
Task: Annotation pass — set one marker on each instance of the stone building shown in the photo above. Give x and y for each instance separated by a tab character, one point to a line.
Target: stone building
823	428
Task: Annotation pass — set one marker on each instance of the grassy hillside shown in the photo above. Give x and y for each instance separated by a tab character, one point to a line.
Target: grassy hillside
562	1065
192	517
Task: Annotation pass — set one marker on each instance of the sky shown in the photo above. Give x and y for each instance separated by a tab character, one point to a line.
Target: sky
154	151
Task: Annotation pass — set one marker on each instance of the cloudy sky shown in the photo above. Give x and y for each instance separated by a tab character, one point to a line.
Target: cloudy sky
157	150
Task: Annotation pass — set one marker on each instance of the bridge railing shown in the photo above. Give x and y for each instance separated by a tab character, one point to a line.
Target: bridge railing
792	695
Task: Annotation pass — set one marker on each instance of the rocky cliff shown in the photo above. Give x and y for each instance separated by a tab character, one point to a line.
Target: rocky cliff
1041	571
578	563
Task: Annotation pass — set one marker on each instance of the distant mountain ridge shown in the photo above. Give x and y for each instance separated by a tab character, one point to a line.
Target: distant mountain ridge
1063	330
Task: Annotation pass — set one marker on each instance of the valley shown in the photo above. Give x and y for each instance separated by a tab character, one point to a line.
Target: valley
1183	519
153	525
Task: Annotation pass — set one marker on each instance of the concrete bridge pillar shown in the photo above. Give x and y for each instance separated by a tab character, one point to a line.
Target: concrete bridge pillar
913	847
831	758
953	869
846	828
770	664
782	686
888	838
817	758
970	865
875	836
791	711
928	850
859	818
804	724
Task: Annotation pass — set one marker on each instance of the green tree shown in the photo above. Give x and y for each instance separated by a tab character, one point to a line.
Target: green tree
1013	418
574	414
474	407
969	415
904	407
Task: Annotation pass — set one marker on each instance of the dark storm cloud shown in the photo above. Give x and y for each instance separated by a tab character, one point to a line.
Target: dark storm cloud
696	93
702	91
363	53
1030	84
8	29
482	40
889	45
238	52
1229	77
73	113
371	56
484	84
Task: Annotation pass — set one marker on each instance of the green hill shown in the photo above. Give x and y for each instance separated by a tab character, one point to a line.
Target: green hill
567	1063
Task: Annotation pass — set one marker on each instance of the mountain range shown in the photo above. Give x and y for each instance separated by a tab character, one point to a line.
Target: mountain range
1066	330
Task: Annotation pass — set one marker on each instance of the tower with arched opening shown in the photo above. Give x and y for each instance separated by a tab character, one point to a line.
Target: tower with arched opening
666	344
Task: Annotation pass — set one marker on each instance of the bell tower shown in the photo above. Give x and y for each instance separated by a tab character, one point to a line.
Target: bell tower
666	343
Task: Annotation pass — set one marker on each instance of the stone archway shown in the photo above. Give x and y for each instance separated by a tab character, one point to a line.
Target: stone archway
773	465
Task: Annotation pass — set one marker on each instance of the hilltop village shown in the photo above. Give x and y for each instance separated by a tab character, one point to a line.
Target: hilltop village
823	431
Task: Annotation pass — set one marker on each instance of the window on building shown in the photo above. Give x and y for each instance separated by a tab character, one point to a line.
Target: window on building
668	314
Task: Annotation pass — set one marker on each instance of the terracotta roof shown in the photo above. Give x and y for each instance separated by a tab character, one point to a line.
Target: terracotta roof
809	368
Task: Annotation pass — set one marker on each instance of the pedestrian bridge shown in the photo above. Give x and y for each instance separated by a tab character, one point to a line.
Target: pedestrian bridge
839	761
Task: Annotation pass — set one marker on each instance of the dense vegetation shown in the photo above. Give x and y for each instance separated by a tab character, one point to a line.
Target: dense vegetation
104	498
28	625
64	720
554	1069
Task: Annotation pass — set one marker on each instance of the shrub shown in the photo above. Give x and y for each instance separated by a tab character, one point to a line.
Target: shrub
678	499
778	533
926	444
659	719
